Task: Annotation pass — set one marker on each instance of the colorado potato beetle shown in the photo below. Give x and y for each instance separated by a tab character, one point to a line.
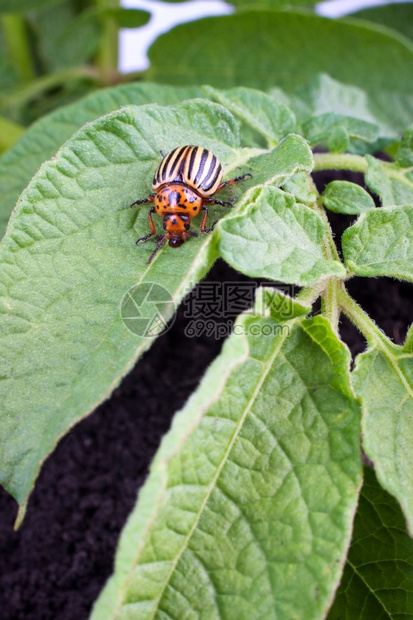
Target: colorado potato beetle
185	182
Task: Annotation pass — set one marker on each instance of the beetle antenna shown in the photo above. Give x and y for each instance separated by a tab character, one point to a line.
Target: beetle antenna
160	244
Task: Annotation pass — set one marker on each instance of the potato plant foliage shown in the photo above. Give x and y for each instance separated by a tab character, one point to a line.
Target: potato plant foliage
256	491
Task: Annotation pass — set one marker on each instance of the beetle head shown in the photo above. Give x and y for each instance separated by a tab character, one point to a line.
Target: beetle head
176	226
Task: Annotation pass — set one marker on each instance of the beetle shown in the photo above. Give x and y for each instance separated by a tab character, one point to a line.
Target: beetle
184	183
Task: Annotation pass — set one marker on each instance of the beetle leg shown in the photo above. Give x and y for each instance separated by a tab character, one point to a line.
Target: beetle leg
159	245
150	198
212	201
152	227
192	234
233	181
204	221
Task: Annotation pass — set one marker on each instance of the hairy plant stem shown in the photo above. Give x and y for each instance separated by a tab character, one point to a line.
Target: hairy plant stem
371	332
332	161
327	286
107	55
15	32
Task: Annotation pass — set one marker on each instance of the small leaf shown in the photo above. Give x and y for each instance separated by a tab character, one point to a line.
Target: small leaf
300	185
67	261
276	167
391	182
339	140
346	197
383	379
380	243
128	18
274	237
404	156
377	579
248	508
271	119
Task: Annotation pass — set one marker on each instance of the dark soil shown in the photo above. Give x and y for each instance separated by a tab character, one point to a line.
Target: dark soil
56	564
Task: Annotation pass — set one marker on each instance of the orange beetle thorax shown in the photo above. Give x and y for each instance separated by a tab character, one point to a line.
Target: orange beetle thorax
178	198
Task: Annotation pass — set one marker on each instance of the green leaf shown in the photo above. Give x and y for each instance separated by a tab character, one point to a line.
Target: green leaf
275	237
380	243
248	508
323	95
66	38
277	166
129	18
271	119
345	197
341	133
383	379
300	185
339	140
68	259
404	155
43	139
393	183
19	6
397	16
363	55
377	580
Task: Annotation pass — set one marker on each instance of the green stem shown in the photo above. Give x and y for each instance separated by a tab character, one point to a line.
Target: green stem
310	294
330	249
331	161
107	56
15	32
327	287
371	332
26	92
331	306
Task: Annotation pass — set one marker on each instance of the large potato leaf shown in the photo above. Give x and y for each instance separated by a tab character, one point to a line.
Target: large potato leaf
383	379
394	15
378	576
248	508
67	260
289	49
275	237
